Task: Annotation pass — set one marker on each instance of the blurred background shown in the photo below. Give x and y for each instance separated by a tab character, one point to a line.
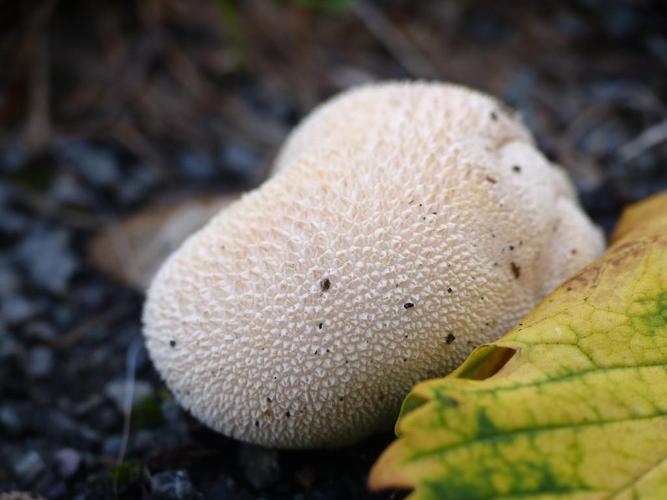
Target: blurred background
112	106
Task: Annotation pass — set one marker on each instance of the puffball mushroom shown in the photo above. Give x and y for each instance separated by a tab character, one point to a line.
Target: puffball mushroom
406	224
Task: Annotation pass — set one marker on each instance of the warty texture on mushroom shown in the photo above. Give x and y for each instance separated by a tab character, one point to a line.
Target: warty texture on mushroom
406	224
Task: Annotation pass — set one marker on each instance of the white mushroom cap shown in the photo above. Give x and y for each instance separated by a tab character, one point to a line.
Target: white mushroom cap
408	223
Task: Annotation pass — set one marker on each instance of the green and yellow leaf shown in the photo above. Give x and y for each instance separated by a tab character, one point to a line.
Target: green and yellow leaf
572	403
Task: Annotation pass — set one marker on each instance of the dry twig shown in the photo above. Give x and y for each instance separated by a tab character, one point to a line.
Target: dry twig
648	139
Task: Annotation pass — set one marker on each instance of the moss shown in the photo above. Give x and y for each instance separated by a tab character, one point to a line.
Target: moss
147	413
125	472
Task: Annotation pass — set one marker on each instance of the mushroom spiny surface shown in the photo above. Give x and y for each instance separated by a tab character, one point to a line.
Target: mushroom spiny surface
406	224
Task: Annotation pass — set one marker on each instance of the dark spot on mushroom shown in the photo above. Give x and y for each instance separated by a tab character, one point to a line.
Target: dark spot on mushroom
511	247
494	116
405	336
569	289
288	414
341	398
268	400
421	204
328	350
405	360
423	218
450	338
408	305
573	251
482	297
325	284
516	270
516	169
492	180
172	343
493	235
449	290
434	213
320	326
315	352
256	423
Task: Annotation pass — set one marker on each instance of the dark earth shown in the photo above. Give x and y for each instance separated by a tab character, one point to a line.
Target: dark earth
108	106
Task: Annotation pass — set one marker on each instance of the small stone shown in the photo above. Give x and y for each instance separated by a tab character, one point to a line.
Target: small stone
225	488
173	485
91	403
39	330
10	280
10	420
16	310
261	466
46	256
6	195
96	164
61	425
40	362
111	446
12	157
196	166
13	223
68	189
143	439
137	184
9	346
28	466
92	295
62	315
239	160
116	392
67	462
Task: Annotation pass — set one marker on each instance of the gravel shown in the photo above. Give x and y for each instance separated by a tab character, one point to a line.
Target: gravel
66	329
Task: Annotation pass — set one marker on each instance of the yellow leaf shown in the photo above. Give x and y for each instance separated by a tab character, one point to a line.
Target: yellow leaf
572	403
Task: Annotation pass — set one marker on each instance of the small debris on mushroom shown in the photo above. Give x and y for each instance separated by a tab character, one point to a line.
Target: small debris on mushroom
325	284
